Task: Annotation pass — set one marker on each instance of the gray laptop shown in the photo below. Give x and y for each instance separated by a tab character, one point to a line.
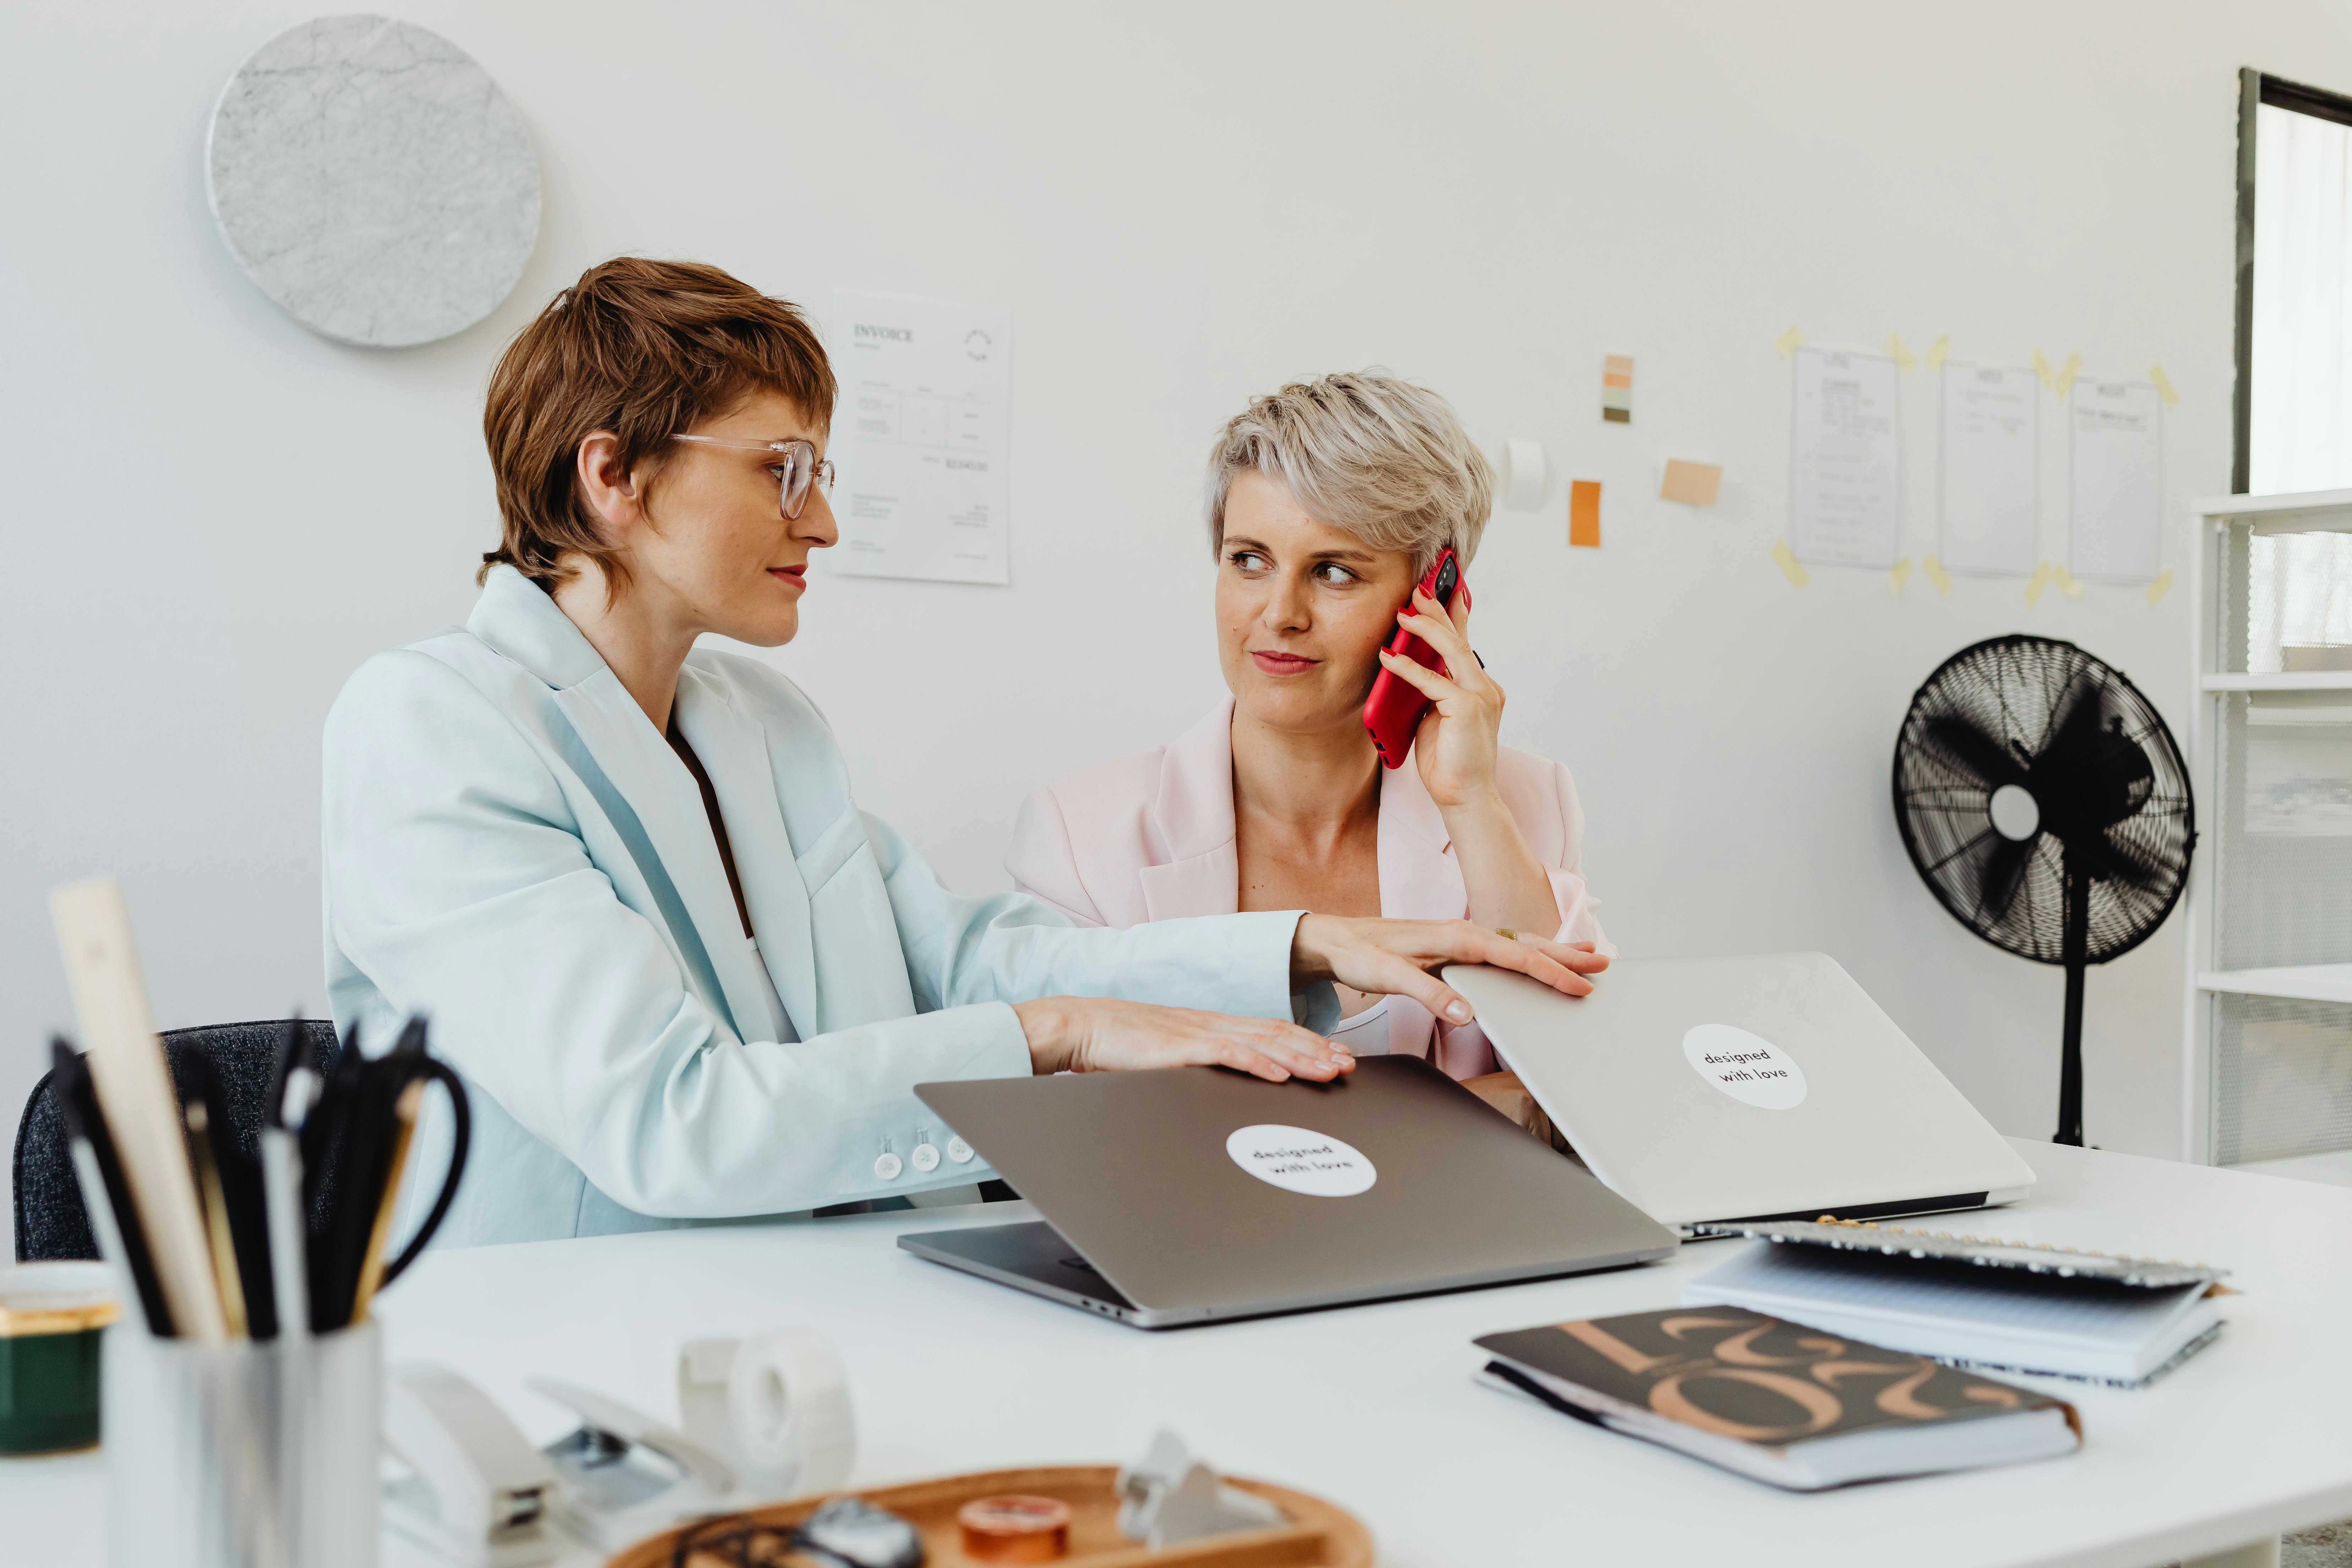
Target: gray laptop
1767	1087
1195	1194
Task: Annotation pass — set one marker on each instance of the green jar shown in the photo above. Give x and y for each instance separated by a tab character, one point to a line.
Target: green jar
52	1316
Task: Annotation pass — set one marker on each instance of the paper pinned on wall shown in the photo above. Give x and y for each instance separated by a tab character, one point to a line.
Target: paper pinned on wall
1789	342
1938	350
2161	586
1897	350
1900	576
1617	389
1786	560
923	438
2118	519
1935	574
1584	513
1989	483
1693	484
2164	386
1845	498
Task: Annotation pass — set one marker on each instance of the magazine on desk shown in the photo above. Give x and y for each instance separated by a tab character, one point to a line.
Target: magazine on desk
1776	1401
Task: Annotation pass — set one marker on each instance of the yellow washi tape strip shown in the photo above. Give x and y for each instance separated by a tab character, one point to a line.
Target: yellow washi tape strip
2161	586
2041	581
1791	568
2164	386
1787	342
2066	581
1903	359
1935	574
1900	576
2042	368
1938	350
2067	373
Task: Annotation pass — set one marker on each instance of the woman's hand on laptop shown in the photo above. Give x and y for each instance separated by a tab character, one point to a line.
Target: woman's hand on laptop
1102	1033
1397	957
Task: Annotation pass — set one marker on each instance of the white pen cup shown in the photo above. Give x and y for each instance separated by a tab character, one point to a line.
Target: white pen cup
251	1454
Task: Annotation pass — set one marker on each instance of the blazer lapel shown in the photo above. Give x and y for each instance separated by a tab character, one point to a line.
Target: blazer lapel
733	748
1420	879
1193	815
649	794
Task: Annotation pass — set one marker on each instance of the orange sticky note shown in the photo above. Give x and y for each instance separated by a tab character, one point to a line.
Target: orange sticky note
1584	513
1693	484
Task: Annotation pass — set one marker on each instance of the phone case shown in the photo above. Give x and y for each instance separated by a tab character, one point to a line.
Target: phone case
1393	712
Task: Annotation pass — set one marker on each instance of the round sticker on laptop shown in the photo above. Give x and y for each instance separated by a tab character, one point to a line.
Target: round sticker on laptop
1748	1068
1299	1161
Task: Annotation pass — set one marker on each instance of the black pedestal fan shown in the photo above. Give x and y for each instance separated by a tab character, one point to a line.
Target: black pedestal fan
2046	805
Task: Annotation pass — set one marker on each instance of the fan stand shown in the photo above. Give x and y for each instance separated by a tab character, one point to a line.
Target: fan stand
2076	940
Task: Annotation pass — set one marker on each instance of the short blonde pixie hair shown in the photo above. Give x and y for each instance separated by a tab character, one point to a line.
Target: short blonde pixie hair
1363	451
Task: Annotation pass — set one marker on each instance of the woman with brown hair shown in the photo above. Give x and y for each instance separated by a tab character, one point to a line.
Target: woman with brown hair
685	976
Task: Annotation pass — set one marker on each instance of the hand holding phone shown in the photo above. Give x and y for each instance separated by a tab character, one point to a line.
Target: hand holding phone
1393	712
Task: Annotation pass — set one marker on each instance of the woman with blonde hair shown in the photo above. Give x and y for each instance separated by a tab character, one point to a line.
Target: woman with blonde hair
1328	503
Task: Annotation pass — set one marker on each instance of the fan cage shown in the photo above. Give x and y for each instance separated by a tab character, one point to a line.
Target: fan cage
2018	686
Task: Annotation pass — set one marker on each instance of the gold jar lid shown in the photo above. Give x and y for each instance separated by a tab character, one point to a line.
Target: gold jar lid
58	1297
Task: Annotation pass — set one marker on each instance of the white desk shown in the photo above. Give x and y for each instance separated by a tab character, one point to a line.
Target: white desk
1374	1407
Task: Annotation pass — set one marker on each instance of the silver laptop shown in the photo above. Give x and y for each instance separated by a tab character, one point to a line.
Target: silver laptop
1195	1194
1764	1087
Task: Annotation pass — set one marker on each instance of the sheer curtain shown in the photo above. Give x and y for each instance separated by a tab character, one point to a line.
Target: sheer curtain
2302	427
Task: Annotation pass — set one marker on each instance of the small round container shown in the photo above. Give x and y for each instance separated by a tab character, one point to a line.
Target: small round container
1014	1528
51	1315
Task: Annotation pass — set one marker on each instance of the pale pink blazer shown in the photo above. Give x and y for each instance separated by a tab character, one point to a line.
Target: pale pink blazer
1150	837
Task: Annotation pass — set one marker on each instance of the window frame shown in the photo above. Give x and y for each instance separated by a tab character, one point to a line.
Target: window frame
2256	88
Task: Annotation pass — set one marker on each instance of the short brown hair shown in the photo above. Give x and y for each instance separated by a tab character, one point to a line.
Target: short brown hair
644	350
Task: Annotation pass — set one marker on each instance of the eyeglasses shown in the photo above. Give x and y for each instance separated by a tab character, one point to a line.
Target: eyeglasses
800	465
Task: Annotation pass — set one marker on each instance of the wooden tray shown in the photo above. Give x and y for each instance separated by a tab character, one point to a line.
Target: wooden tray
1318	1536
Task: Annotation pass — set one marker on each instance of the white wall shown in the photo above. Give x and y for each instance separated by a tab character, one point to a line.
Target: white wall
213	516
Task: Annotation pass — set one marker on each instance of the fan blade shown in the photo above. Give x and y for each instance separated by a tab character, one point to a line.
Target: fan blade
2000	876
2091	774
2105	861
1966	747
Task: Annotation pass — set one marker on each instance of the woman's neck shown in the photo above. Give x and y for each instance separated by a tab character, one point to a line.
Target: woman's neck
1315	786
634	631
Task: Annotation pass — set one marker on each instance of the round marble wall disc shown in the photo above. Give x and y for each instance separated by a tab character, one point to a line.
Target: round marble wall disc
372	179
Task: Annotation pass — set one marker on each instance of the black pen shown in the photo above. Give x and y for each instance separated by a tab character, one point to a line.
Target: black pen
106	1197
293	1091
239	1176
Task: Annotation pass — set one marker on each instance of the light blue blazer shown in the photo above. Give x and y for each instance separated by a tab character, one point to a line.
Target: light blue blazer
513	849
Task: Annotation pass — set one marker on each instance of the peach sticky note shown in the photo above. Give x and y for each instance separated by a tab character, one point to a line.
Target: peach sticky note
1693	484
1584	513
1786	560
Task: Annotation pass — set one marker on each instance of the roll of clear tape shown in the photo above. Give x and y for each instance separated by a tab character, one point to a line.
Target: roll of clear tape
775	1404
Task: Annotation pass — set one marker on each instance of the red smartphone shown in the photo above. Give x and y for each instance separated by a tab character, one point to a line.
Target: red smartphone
1393	712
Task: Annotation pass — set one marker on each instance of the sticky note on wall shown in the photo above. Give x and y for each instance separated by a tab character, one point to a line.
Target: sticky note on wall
1617	389
1584	513
1693	484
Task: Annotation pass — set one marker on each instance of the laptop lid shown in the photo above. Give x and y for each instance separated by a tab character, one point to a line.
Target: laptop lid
1200	1193
1708	1089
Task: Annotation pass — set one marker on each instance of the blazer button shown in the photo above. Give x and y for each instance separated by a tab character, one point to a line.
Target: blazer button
924	1157
887	1167
959	1151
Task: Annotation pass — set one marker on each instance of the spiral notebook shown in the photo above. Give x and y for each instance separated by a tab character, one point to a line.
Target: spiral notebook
1974	1301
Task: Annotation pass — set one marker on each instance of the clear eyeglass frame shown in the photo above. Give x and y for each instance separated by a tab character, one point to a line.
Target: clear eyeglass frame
801	465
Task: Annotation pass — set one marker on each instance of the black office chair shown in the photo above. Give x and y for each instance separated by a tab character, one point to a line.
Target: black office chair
50	1219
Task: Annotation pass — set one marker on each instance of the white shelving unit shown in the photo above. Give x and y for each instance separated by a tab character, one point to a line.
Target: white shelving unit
2267	1047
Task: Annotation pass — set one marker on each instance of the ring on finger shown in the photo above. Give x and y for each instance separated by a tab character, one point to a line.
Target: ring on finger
1507	933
